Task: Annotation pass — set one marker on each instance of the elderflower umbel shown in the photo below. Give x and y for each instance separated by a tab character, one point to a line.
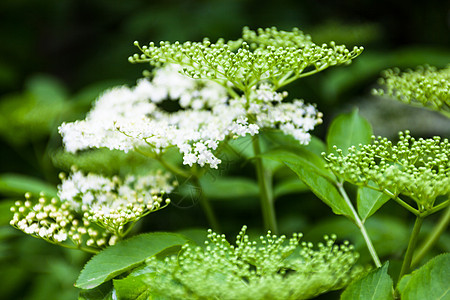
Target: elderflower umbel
419	169
271	268
112	202
92	211
128	118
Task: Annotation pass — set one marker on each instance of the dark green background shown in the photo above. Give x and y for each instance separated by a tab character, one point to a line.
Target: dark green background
80	44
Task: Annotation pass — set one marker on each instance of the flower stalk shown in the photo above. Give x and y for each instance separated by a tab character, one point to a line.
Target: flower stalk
360	225
266	198
431	240
406	265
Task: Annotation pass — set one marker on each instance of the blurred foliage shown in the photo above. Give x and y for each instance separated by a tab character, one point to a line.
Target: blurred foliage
53	65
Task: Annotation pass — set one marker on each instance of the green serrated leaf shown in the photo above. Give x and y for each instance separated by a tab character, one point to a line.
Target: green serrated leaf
226	188
348	130
377	285
322	188
369	201
124	256
428	282
18	185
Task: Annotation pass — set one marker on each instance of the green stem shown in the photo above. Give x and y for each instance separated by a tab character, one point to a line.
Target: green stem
267	205
206	206
401	202
440	228
360	225
436	208
406	266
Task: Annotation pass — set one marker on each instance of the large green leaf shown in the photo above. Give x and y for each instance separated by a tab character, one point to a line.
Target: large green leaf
369	201
281	140
377	285
18	185
322	188
302	157
225	188
431	281
124	256
348	130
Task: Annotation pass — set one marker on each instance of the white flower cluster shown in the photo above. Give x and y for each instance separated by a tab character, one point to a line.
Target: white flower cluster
112	202
92	209
125	118
292	118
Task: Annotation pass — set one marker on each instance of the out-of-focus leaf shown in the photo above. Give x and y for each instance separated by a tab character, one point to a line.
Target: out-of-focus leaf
369	201
34	113
124	256
389	235
18	185
229	188
47	89
428	282
196	235
290	186
104	161
348	130
377	285
5	213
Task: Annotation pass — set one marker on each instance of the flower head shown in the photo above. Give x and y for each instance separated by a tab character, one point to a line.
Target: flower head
419	169
426	86
270	268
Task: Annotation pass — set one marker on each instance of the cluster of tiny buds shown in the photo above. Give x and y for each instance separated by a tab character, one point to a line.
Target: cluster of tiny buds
55	222
416	168
114	220
426	85
262	264
271	55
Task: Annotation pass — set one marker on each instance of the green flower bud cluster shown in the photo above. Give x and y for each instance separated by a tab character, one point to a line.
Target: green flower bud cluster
266	55
426	86
271	268
262	38
419	169
55	222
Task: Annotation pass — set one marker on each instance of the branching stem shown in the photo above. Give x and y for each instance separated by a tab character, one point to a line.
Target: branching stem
360	225
440	228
